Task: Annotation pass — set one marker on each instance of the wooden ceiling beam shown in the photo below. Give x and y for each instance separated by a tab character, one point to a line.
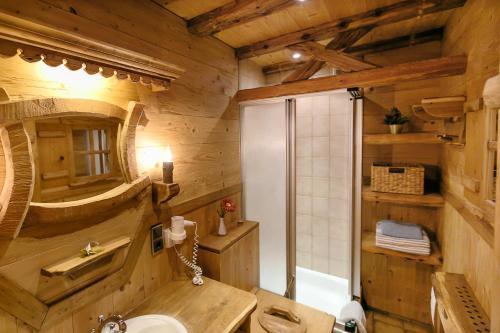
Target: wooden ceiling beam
308	69
397	43
335	58
375	47
235	13
380	16
418	70
339	42
284	66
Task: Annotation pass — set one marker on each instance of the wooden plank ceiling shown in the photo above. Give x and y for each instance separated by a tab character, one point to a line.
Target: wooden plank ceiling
277	18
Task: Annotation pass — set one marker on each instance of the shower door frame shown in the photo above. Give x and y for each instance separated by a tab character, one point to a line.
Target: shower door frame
356	153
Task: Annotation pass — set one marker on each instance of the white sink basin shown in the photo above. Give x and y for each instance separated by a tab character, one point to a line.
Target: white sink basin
154	324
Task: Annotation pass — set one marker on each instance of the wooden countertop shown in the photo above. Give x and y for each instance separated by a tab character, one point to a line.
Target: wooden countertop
212	308
217	244
316	321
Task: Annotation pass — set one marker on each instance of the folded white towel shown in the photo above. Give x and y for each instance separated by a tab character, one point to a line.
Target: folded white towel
412	246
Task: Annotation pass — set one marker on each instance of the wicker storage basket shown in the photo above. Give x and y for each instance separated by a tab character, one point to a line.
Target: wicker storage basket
398	178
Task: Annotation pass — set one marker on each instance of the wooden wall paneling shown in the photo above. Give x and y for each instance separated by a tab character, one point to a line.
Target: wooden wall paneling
380	322
19	178
21	304
397	286
473	216
465	252
105	286
7	322
373	212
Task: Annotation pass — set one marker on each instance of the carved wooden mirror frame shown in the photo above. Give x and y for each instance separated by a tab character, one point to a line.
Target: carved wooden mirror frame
17	191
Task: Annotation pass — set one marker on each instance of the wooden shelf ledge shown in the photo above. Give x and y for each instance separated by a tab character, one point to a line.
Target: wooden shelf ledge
403	138
457	310
72	266
440	108
218	244
61	212
426	200
368	245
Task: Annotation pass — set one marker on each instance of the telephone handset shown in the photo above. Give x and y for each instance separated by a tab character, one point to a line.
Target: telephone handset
176	235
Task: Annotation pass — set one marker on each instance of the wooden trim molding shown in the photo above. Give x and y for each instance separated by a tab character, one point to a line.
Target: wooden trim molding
418	70
35	42
19	180
190	205
473	216
49	213
38	108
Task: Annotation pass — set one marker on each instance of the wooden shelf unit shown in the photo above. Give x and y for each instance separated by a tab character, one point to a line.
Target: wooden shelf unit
426	200
73	266
403	138
457	309
368	245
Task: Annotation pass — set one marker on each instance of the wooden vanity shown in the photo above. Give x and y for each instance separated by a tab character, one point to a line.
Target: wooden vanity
212	308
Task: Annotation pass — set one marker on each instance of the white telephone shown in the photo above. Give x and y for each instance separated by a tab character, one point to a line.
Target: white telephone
176	235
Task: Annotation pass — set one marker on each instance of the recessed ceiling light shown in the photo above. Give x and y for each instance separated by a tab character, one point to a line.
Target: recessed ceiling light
296	55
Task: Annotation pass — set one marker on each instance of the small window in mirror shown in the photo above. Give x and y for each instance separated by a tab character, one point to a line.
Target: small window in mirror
91	152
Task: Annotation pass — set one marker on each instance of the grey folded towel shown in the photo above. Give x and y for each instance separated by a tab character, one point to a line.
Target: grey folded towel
399	230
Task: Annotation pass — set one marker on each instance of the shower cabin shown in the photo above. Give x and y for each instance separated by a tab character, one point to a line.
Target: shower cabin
301	169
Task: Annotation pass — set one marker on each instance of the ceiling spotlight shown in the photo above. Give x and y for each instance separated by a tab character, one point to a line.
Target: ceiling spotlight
296	55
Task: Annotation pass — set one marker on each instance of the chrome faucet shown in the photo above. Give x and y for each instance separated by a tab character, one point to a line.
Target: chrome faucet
114	324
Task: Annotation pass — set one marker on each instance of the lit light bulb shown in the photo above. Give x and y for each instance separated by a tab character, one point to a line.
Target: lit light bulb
296	55
167	155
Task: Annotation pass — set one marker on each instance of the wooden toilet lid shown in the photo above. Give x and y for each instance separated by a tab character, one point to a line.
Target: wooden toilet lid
276	319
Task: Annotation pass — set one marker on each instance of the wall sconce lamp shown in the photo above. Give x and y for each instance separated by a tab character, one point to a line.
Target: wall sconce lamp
166	189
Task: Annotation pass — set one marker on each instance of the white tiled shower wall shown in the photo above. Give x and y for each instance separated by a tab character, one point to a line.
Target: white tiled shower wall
323	166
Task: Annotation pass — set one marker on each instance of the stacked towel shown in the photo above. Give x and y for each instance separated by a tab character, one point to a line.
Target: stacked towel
409	238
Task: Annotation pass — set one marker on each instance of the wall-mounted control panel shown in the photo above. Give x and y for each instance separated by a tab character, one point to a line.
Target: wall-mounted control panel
157	239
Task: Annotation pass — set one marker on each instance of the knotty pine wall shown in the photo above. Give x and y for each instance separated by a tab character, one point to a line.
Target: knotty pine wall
472	30
197	118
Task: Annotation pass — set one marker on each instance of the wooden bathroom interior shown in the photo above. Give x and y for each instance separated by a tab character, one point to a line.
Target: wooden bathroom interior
251	166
